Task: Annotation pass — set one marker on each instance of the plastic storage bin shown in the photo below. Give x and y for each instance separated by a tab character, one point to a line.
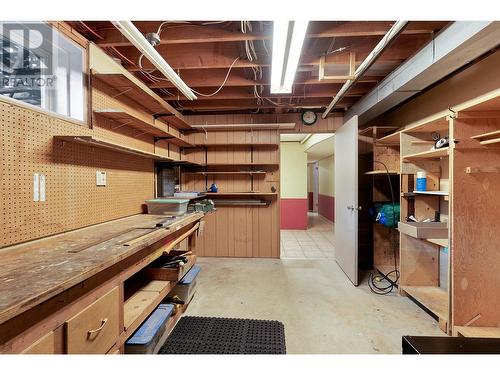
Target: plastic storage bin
144	340
186	287
167	206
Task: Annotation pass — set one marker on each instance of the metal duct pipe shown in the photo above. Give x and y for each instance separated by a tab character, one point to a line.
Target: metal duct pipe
393	32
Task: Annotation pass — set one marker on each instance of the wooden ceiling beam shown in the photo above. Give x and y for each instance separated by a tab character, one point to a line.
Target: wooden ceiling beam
237	104
188	34
213	78
300	91
217	55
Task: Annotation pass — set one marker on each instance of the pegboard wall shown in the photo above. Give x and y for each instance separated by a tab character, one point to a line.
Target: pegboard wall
72	198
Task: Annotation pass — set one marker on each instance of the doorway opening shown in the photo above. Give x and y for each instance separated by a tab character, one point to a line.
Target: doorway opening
307	196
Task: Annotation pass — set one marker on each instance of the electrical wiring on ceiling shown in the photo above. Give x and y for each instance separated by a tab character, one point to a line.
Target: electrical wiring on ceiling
223	83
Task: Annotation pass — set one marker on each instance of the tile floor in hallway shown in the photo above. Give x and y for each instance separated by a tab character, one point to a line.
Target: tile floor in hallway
317	242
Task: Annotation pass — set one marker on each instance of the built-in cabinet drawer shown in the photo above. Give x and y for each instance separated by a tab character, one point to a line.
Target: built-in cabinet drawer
44	345
95	329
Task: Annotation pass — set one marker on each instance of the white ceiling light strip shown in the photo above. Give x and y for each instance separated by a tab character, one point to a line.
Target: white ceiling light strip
288	38
135	37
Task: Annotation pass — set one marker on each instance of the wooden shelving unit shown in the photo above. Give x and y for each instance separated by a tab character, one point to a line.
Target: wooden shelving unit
94	142
425	265
385	239
130	87
143	124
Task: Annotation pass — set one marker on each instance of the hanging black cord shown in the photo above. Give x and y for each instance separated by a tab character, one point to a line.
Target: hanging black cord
373	280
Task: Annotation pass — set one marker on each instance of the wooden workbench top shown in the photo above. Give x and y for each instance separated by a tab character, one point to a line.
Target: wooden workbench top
33	272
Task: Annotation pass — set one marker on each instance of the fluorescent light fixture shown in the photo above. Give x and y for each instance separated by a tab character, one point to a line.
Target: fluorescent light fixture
288	37
135	37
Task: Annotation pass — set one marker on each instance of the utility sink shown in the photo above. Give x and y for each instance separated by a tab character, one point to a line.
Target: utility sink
424	230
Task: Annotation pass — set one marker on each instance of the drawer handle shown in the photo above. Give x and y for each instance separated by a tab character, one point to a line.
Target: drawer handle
92	331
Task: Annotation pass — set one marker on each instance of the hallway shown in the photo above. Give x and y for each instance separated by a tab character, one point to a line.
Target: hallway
317	242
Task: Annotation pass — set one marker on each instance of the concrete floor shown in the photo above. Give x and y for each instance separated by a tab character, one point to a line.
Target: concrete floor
320	308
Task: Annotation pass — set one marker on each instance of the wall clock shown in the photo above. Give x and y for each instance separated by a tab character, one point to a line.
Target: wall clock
309	118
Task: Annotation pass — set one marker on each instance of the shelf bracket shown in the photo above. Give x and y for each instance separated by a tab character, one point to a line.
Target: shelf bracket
156	139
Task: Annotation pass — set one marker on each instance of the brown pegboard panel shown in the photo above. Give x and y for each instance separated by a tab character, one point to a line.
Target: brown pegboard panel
73	199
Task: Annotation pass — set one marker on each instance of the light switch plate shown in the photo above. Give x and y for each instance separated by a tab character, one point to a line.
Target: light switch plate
36	187
42	188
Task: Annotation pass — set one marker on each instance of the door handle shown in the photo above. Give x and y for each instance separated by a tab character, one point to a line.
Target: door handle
352	208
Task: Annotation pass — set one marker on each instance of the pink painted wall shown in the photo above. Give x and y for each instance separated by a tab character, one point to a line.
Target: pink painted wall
293	213
326	206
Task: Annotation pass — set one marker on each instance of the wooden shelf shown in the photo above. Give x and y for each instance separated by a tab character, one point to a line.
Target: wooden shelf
238	202
127	119
443	242
488	139
424	229
430	192
431	154
487	332
440	124
232	164
389	140
127	86
187	163
239	193
223	172
236	144
93	142
433	298
146	126
381	173
143	302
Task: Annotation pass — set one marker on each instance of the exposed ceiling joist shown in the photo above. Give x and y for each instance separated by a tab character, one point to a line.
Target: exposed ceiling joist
188	34
320	91
222	55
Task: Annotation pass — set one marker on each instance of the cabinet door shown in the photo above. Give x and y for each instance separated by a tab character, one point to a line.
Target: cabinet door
94	329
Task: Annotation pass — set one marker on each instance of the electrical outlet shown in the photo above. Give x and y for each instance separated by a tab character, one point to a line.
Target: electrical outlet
100	178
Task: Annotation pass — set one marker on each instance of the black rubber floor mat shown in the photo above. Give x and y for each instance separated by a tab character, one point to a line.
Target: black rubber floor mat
203	335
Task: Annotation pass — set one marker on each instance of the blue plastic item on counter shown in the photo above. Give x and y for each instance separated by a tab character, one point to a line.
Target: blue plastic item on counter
190	276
